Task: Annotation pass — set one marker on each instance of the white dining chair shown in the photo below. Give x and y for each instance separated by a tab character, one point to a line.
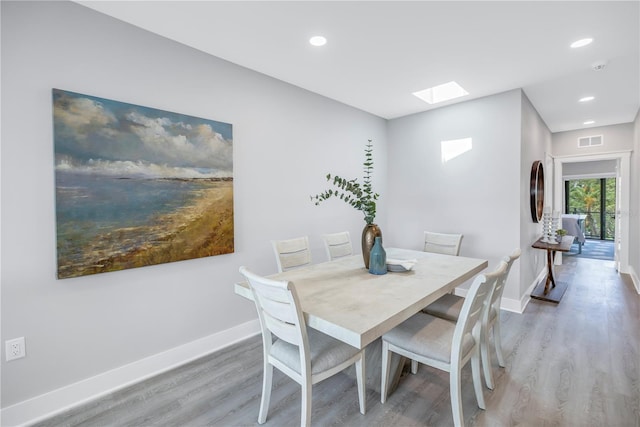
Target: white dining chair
492	322
442	243
445	345
292	253
337	245
449	307
303	354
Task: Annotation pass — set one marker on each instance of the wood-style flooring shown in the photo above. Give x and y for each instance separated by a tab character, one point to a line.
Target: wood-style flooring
572	364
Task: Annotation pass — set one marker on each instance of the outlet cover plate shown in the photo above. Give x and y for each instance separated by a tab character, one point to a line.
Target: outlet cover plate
14	349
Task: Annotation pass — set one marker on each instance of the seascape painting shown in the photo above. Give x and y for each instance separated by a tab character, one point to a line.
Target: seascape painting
137	186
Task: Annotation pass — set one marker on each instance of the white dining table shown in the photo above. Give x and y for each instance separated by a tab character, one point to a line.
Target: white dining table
342	299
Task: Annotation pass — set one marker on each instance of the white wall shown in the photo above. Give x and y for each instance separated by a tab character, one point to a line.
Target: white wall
634	216
285	141
598	167
477	194
616	138
536	145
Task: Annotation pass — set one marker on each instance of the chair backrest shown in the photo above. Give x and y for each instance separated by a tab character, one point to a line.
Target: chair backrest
472	308
292	253
500	284
441	243
278	311
337	245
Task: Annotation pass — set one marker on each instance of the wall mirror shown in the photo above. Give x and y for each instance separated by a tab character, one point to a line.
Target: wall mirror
537	191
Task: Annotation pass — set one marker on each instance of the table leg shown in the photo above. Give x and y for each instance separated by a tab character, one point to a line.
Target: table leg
550	279
373	360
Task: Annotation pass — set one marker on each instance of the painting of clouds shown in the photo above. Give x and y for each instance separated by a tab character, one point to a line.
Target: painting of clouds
136	186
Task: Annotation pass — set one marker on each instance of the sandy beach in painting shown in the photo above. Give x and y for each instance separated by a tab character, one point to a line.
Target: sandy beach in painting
199	229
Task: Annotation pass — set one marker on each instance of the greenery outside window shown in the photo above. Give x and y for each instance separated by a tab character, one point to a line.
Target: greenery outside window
596	199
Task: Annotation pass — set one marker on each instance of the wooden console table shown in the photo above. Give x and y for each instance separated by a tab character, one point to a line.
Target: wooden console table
549	291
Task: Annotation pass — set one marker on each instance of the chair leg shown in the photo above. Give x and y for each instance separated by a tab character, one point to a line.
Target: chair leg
386	366
486	357
266	391
498	342
361	379
477	378
414	367
455	386
305	418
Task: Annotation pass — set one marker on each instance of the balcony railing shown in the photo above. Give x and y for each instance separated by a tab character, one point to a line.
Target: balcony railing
595	226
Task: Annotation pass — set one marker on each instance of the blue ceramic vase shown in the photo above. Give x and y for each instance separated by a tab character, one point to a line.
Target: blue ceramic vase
378	258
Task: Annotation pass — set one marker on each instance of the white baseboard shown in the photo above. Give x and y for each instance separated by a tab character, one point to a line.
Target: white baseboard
510	304
49	404
634	278
526	297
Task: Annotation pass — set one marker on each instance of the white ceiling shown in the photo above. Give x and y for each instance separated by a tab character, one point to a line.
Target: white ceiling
379	52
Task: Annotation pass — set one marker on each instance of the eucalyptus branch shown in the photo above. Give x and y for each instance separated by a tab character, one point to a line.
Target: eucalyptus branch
361	197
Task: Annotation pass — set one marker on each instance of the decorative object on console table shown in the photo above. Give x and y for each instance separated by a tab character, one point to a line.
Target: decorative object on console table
549	226
378	258
560	233
360	197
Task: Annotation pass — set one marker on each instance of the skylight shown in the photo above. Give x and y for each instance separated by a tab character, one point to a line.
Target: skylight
441	93
586	99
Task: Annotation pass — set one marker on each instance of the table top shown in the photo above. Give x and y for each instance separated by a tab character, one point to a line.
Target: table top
564	246
341	298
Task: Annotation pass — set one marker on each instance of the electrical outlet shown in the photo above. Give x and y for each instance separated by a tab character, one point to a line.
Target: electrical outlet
14	348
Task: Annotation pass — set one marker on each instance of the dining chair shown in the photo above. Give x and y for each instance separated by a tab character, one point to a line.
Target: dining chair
449	307
445	345
292	253
303	354
442	243
337	245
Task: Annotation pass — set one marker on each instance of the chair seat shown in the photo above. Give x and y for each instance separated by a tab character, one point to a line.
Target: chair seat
429	336
447	307
326	352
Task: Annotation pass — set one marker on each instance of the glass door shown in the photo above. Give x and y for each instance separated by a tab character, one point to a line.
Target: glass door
595	198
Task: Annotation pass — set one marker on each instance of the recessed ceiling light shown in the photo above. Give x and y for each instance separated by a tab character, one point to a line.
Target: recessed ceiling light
440	93
589	122
318	41
581	42
586	99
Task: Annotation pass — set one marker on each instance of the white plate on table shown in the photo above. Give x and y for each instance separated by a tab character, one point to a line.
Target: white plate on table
400	265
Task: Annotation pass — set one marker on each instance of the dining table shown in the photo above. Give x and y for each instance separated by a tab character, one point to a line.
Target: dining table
342	299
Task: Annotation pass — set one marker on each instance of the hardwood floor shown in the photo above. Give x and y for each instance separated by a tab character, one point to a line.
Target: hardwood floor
572	364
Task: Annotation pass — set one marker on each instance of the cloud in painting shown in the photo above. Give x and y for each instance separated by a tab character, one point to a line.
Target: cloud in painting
177	143
83	116
110	137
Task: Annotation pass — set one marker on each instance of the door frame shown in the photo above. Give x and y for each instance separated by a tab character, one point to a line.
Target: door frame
623	183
